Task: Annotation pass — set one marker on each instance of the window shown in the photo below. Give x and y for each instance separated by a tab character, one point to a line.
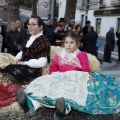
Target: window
101	1
98	25
118	27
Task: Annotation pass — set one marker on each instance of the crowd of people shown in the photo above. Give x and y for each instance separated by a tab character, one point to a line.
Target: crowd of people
70	83
55	33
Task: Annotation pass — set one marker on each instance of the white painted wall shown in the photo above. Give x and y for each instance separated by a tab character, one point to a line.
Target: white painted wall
77	15
91	17
106	22
107	2
62	7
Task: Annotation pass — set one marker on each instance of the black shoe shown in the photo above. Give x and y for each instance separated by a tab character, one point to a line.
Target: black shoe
60	108
22	100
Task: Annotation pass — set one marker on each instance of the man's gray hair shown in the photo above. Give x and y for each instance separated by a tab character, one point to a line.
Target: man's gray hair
91	28
111	28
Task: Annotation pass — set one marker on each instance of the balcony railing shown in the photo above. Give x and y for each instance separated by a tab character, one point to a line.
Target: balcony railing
94	1
102	5
80	4
94	6
115	2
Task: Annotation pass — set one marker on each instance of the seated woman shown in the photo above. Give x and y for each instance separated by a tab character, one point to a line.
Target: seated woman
71	84
34	54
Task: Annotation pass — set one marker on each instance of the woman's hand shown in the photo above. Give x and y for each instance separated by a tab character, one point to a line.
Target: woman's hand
16	61
20	63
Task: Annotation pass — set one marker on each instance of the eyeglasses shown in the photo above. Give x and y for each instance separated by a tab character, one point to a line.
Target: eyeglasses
32	25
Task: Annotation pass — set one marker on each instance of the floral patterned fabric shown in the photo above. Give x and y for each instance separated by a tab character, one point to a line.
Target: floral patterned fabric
103	95
18	74
22	73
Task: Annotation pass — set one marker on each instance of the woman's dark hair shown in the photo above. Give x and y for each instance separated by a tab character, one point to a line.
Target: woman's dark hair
39	21
74	36
69	26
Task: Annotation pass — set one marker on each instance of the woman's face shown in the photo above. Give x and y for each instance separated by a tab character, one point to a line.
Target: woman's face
13	27
70	44
33	26
70	28
78	29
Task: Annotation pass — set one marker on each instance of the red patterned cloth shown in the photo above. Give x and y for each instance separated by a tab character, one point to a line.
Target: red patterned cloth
8	94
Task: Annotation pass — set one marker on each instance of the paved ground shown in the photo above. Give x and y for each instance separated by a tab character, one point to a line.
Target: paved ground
112	68
14	112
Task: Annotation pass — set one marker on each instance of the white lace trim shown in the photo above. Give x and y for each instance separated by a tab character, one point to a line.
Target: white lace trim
70	85
69	58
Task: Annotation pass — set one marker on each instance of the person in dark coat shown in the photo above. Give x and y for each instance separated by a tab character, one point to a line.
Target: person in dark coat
49	31
12	40
118	44
109	46
85	28
25	23
3	33
23	32
90	41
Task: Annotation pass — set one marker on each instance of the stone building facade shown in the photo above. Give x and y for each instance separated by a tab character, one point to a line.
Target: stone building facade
3	10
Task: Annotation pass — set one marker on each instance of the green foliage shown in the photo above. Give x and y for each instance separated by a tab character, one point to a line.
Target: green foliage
26	3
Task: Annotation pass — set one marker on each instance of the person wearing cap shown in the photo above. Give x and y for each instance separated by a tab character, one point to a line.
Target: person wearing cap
85	28
84	32
59	32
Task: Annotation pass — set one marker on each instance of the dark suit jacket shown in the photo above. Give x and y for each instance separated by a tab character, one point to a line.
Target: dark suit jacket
90	39
110	40
23	34
118	36
3	32
85	30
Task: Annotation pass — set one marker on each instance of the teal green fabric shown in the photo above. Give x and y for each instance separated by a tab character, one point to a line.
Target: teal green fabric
31	111
103	96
